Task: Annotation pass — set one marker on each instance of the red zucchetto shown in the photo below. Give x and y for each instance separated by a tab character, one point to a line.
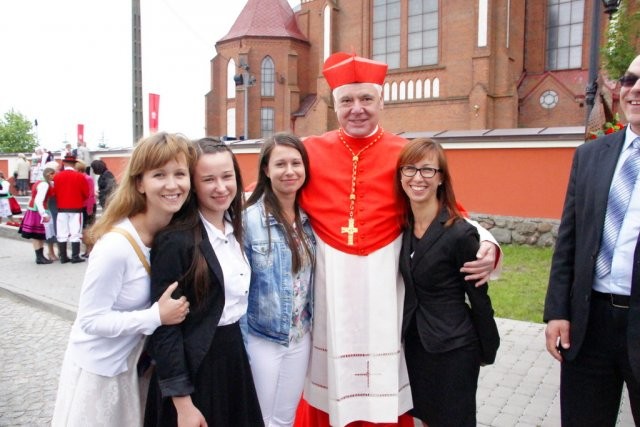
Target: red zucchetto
342	68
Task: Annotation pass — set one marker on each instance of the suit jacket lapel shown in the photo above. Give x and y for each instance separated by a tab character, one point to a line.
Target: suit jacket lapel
609	152
405	253
210	256
431	236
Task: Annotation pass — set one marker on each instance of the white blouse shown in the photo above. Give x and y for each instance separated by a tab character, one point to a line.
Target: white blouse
113	313
235	269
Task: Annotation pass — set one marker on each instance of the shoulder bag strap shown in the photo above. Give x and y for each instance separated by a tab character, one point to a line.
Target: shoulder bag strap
135	246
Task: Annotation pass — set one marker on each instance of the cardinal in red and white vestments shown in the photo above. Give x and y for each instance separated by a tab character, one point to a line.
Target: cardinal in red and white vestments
357	370
357	374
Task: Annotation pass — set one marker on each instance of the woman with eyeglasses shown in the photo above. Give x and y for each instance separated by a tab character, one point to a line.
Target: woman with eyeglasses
445	340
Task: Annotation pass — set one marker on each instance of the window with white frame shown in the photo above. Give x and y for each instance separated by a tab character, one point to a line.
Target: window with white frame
231	84
422	43
386	32
565	27
267	77
267	121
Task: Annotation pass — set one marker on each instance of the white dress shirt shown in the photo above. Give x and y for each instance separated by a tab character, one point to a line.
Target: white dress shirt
618	281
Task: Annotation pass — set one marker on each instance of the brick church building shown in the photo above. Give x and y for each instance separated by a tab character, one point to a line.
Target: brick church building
454	64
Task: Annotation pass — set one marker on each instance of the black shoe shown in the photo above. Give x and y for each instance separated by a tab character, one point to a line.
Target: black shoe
62	250
77	259
40	258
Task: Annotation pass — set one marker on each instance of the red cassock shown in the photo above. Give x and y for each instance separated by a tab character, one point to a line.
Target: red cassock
378	207
308	416
378	211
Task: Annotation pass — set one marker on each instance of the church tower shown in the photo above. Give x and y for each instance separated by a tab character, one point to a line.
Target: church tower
256	83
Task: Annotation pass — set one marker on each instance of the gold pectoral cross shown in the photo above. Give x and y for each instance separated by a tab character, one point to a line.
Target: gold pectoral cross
350	230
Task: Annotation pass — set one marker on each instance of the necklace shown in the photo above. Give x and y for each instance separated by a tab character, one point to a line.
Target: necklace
351	229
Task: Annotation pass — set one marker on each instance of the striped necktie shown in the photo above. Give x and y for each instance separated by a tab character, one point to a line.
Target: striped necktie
619	197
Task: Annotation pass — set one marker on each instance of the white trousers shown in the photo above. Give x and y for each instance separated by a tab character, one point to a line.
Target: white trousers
69	226
278	374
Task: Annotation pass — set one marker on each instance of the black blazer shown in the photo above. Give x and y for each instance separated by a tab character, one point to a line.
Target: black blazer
435	290
179	349
572	267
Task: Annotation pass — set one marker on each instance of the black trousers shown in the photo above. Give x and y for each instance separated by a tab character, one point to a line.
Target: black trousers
591	384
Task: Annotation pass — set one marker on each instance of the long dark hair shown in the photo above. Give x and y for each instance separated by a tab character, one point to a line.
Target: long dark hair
272	204
188	220
413	152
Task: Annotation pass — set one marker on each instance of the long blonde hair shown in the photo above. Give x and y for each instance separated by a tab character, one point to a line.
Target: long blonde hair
151	152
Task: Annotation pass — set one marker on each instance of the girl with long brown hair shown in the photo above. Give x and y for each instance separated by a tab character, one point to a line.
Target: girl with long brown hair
202	374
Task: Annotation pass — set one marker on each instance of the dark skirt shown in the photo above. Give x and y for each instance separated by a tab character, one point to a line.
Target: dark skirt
443	385
31	226
224	390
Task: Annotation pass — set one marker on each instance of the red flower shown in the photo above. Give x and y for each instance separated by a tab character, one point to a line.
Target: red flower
608	128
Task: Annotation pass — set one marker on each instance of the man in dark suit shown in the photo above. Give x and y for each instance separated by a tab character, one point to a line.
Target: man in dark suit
592	307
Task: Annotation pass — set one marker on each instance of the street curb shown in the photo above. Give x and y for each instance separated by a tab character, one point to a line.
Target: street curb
10	232
67	312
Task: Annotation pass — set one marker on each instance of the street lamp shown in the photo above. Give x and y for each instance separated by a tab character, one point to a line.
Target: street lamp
610	7
245	80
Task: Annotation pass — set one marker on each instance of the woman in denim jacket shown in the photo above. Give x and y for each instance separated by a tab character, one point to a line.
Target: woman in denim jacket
280	247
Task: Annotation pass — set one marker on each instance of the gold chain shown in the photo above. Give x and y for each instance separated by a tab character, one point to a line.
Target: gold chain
350	230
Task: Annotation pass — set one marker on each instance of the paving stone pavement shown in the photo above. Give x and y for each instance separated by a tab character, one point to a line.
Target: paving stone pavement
33	344
37	306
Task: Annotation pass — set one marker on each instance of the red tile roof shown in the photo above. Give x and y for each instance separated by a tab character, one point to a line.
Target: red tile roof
265	18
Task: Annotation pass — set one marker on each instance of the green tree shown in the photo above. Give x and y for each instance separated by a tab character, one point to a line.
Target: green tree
16	134
622	38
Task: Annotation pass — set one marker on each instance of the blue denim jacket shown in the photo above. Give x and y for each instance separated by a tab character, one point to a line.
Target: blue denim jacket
271	290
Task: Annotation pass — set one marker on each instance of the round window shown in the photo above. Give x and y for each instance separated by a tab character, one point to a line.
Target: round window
548	99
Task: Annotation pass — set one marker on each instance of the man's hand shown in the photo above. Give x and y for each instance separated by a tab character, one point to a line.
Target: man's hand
557	335
481	268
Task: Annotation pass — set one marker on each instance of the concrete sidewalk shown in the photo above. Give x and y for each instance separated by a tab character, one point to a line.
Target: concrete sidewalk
53	287
520	389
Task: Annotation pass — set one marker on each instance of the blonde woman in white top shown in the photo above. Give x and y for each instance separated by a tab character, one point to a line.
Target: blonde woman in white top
99	381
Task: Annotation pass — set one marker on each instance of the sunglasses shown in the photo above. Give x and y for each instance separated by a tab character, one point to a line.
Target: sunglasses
628	80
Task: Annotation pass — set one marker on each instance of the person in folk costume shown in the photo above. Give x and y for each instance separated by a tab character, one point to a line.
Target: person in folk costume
37	215
71	193
357	373
5	207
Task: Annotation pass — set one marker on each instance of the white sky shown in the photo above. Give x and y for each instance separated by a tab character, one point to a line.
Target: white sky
65	62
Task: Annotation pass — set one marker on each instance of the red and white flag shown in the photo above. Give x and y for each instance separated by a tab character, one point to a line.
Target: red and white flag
154	108
80	133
